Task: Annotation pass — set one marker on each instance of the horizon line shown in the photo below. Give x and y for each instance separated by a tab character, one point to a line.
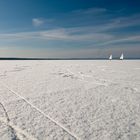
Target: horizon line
56	58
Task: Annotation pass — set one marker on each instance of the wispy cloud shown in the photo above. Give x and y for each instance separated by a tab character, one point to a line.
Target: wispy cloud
94	11
123	40
105	31
99	20
73	34
122	22
60	34
37	22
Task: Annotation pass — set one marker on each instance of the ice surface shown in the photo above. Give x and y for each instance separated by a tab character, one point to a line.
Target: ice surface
67	99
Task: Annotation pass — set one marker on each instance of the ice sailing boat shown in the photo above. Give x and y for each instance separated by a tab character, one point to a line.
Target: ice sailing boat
121	57
110	57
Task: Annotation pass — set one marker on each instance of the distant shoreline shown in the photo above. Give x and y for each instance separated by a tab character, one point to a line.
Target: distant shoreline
14	58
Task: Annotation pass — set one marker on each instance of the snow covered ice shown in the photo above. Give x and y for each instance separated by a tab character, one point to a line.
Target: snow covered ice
68	99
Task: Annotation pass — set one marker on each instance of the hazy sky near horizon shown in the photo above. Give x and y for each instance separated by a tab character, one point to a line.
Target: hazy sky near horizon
69	28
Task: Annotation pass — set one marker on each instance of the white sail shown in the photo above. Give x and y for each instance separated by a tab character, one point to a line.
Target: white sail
121	57
110	57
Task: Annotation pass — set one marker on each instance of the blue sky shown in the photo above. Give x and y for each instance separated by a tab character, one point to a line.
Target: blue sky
69	28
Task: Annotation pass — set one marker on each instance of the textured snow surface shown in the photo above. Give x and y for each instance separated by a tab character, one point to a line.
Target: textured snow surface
68	100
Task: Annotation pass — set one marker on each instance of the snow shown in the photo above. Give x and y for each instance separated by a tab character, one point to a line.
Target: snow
68	99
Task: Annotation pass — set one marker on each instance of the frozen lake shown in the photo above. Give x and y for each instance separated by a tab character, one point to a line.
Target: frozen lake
68	99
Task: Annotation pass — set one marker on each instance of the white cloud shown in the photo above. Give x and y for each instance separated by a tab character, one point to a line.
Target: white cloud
72	34
37	22
63	34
